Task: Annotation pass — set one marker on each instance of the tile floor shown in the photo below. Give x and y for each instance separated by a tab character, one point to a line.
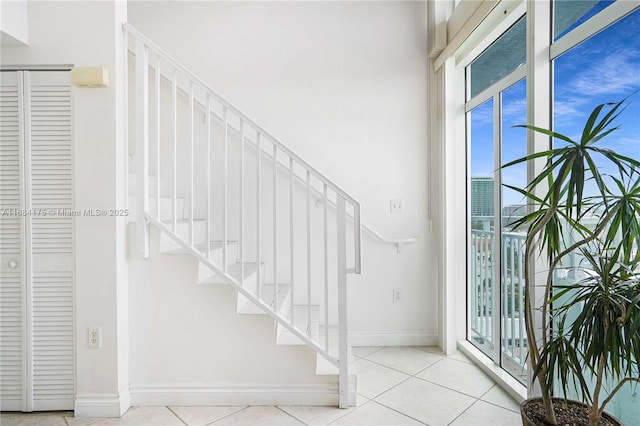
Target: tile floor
396	386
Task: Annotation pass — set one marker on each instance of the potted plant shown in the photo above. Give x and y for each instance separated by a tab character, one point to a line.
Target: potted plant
585	224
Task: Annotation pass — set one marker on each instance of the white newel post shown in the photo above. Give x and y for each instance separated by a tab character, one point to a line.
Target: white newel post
343	358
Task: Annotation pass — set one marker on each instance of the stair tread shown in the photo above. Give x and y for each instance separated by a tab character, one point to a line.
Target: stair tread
202	248
214	245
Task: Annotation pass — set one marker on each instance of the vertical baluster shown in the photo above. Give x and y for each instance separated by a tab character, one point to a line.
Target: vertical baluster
487	277
174	141
191	154
157	113
474	278
142	148
343	358
483	294
308	253
483	249
521	284
505	315
208	180
357	230
512	285
258	211
275	226
125	84
225	185
326	268
293	299
241	230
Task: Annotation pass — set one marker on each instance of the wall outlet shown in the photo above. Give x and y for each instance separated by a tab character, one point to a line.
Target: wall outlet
95	337
397	206
397	295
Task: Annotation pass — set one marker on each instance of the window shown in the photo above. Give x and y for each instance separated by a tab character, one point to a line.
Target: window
603	68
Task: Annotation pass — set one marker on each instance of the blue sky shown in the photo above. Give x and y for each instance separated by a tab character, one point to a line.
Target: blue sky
605	68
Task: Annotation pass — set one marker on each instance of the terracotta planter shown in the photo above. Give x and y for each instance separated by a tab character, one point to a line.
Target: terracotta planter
558	404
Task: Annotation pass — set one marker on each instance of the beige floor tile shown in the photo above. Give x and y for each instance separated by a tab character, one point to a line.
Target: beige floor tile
433	349
316	416
459	376
374	379
32	419
406	359
483	413
427	402
200	416
364	351
499	397
459	356
373	414
147	416
82	421
259	416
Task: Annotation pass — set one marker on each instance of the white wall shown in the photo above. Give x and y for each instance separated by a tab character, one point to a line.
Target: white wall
344	85
89	34
14	22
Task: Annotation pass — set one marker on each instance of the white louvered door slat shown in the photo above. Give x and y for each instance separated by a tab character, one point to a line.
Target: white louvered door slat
48	278
12	289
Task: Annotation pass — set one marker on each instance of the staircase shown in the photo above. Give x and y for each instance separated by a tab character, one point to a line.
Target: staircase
255	215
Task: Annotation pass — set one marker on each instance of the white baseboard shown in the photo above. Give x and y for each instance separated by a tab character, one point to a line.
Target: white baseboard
102	404
394	338
236	394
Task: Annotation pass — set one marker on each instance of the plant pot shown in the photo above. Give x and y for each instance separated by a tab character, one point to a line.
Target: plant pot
578	414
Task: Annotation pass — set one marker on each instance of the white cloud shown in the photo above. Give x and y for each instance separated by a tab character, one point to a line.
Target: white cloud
616	74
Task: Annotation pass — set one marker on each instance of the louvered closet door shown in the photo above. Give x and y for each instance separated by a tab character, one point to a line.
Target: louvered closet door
44	240
12	286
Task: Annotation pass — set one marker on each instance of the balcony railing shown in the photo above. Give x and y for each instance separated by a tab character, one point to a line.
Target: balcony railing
508	308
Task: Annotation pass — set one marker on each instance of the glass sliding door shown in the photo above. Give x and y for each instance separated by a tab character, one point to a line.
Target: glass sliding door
482	217
497	101
513	145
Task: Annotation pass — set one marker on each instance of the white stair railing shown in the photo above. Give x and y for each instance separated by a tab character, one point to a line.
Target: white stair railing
243	182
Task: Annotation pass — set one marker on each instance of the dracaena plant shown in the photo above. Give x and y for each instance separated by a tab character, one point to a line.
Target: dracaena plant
601	343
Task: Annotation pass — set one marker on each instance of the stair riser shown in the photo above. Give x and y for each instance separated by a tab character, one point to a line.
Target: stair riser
166	208
245	306
199	236
301	319
206	276
151	184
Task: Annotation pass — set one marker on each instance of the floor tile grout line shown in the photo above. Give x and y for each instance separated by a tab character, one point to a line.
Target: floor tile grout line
464	411
400	371
493	403
392	387
447	387
230	414
300	420
500	406
377	350
400	412
291	415
176	414
354	409
427	367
